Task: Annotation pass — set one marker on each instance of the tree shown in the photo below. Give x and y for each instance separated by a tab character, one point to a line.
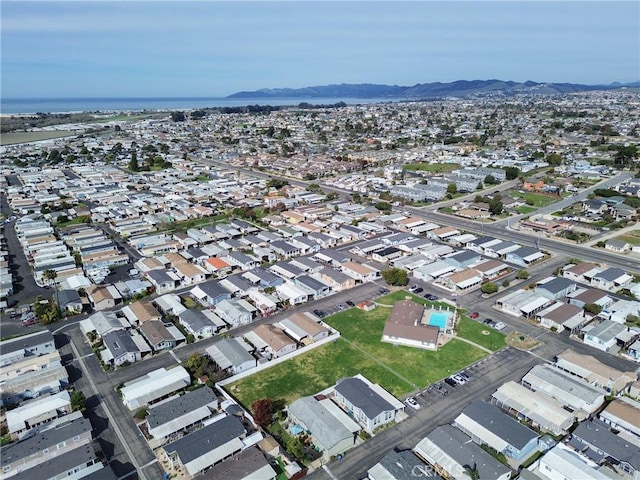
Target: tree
178	116
78	401
554	159
197	364
472	472
141	413
262	411
522	275
395	276
383	206
313	187
133	163
50	276
496	206
452	189
592	308
490	180
511	173
625	154
489	288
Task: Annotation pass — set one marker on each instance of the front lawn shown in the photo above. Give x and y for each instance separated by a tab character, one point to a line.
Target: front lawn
472	330
431	167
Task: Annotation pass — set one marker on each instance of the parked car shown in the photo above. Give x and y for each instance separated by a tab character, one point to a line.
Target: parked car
474	315
464	375
340	306
319	313
500	326
30	321
431	296
412	403
458	379
418	290
350	303
383	290
450	381
489	321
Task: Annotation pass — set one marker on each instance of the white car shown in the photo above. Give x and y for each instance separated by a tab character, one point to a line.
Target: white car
412	403
500	326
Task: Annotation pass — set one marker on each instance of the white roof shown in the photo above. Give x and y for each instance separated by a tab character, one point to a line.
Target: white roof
569	464
154	385
289	290
18	417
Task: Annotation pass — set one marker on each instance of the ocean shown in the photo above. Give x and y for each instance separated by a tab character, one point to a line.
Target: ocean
68	105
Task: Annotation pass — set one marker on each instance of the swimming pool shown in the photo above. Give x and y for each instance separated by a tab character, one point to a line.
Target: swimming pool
439	319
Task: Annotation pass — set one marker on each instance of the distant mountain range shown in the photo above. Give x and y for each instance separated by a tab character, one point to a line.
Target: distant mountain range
460	88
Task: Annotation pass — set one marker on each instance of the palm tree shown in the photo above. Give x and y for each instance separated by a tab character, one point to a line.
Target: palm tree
472	471
50	276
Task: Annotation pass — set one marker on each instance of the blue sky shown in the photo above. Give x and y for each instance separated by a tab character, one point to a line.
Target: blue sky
183	49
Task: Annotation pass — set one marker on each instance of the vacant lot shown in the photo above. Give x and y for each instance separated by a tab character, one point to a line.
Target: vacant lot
536	199
399	369
431	167
15	138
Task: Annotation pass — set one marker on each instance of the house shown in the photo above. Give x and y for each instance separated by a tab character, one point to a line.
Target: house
603	447
233	312
367	403
163	280
594	371
232	354
236	284
249	464
140	312
462	282
569	390
334	258
169	304
270	341
555	288
561	462
617	246
611	279
190	273
604	335
30	415
70	301
450	451
26	346
400	465
66	434
524	303
560	316
303	328
387	254
210	293
286	270
154	386
103	297
217	266
462	259
103	322
161	336
581	272
292	294
181	414
285	249
585	296
541	410
263	278
197	323
492	269
405	326
244	262
331	430
123	347
524	256
433	270
623	414
264	302
317	289
486	424
361	272
32	377
337	280
207	446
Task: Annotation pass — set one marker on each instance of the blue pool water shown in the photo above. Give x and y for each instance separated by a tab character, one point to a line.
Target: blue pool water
296	429
439	319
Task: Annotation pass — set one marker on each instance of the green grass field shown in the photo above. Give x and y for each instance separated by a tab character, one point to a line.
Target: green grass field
15	138
630	239
399	369
472	330
524	209
431	167
536	199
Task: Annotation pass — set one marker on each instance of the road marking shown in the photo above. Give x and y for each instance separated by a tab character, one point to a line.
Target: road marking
112	421
174	356
326	469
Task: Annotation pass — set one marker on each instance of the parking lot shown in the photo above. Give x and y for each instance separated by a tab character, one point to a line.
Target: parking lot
478	373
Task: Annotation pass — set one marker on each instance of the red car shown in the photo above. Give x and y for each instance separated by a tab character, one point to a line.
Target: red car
474	315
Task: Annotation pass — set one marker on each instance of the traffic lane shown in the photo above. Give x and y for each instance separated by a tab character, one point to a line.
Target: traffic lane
408	433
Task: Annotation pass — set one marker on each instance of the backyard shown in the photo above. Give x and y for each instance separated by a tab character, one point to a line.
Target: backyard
399	369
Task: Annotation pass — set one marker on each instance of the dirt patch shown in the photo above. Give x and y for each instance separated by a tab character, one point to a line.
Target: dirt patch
485	332
521	341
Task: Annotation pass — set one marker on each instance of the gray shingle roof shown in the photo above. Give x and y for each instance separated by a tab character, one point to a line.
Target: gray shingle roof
177	407
600	437
363	397
199	442
497	422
